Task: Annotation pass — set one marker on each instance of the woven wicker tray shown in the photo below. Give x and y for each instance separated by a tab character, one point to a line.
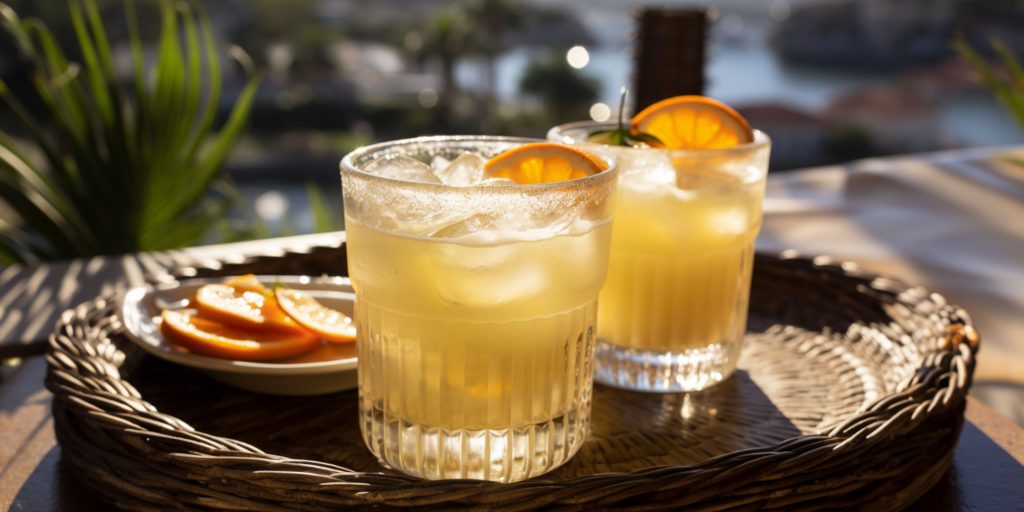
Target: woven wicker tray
851	389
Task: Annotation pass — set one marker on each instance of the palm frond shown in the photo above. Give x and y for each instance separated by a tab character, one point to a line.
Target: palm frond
1008	88
122	168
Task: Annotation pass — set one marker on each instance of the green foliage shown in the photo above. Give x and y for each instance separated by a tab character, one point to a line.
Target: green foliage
623	135
849	142
491	21
1008	85
120	168
292	23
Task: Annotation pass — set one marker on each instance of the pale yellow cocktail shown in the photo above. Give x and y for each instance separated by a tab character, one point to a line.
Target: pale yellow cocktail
673	309
476	315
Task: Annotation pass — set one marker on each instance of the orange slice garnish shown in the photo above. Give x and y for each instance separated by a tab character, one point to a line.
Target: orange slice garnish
211	338
245	307
543	162
693	122
330	324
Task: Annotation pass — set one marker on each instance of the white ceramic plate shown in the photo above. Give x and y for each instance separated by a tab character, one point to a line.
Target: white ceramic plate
329	368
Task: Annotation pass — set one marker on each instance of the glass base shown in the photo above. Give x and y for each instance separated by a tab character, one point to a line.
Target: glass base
664	372
499	455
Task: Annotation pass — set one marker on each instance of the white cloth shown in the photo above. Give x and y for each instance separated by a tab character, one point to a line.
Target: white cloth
952	222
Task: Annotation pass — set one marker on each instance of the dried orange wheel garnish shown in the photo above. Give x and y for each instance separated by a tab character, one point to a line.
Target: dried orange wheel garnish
211	338
330	324
693	122
245	305
543	162
246	283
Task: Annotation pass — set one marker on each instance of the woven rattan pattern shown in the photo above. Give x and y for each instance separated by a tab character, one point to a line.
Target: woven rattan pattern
851	391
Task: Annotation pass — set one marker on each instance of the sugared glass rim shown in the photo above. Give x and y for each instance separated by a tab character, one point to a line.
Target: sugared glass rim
347	165
558	134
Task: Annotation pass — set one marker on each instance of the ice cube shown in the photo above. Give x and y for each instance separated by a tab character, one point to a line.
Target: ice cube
654	168
729	220
719	177
557	222
466	226
438	164
464	259
517	281
402	168
467	169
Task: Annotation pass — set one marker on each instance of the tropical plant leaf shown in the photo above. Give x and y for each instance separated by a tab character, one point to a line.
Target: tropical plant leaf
119	171
1009	91
12	250
25	189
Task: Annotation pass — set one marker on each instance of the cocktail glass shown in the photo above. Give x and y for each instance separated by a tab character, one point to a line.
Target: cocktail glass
674	307
475	312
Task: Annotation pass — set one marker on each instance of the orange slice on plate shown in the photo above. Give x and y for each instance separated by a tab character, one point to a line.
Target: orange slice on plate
693	122
211	338
242	306
331	324
543	162
247	283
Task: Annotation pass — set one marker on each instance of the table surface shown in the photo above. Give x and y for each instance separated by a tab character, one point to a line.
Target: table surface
939	220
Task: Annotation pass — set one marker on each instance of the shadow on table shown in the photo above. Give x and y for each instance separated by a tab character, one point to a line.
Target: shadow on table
632	431
983	477
53	486
629	430
32	298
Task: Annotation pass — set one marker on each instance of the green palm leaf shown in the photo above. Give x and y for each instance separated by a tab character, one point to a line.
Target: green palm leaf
1008	87
122	166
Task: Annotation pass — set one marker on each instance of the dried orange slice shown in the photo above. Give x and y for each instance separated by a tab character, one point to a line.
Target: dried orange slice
693	122
210	338
247	283
244	307
331	324
543	162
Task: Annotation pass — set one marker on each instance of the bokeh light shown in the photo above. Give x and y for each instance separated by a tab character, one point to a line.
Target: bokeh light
578	57
600	112
428	98
413	41
271	206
